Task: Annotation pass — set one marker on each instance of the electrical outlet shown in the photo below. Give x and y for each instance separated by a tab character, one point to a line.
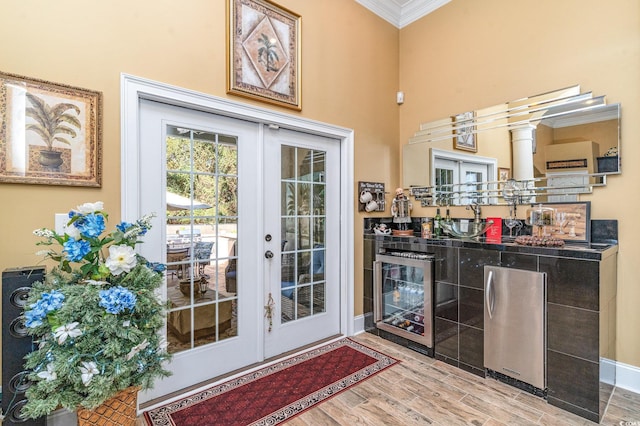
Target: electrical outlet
61	220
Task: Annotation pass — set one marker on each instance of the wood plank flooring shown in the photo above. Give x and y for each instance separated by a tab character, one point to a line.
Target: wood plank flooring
423	391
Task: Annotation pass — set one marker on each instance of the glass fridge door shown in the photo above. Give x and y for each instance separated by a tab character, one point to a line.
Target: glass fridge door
402	297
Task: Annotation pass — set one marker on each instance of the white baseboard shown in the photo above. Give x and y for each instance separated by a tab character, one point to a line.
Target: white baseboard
608	371
627	377
358	324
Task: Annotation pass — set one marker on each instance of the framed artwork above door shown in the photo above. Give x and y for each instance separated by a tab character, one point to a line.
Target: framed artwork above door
263	52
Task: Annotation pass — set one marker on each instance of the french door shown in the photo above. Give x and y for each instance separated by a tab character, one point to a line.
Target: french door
197	173
460	182
219	186
302	249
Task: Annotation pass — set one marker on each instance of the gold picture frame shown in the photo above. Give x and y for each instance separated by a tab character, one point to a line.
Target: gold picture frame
50	133
504	174
464	137
263	52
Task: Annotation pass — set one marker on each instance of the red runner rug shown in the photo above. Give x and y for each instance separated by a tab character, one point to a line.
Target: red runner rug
278	392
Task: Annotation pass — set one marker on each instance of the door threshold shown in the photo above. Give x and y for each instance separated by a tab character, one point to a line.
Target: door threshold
301	349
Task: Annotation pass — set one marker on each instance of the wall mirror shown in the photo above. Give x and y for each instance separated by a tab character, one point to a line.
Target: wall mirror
555	145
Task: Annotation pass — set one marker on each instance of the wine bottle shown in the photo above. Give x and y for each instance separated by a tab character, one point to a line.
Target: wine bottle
447	220
436	224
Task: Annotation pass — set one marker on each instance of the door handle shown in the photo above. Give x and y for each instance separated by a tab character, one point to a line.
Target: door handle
487	294
377	290
268	254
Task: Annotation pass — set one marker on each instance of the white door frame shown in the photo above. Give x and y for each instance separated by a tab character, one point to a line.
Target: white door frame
135	88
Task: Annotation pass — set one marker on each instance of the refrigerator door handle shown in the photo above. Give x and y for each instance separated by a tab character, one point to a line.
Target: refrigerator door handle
377	290
489	296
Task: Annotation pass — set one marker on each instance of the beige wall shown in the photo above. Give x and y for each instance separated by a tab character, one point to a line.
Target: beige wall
466	55
472	54
349	78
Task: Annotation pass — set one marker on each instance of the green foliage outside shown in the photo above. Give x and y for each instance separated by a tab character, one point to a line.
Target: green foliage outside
215	178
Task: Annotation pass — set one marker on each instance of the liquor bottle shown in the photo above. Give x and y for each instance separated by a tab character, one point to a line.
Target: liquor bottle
447	220
396	294
436	224
426	228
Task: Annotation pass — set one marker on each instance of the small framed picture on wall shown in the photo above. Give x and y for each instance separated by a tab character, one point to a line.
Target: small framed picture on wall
464	132
504	174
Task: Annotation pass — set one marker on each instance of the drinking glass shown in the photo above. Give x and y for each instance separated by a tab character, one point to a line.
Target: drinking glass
561	220
512	223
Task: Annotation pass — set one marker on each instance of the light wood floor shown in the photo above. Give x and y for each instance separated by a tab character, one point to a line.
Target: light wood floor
421	390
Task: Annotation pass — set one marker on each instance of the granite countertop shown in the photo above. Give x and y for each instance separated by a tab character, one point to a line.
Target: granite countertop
587	251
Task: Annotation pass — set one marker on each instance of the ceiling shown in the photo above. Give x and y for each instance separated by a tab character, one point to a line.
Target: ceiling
402	12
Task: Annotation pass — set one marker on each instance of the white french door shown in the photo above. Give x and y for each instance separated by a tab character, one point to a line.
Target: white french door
197	171
301	241
219	185
458	177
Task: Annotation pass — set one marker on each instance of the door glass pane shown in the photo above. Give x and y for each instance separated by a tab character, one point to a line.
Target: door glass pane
473	187
303	232
201	230
444	186
288	163
305	159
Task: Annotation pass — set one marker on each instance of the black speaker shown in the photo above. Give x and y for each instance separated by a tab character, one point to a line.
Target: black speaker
16	343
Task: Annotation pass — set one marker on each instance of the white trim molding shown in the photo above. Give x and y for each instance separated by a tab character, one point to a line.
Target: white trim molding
608	371
401	13
627	376
358	324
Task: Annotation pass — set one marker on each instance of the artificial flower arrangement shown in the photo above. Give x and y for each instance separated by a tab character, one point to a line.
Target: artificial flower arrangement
95	319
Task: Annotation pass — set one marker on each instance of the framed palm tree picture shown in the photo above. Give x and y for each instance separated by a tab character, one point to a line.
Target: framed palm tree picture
49	133
263	52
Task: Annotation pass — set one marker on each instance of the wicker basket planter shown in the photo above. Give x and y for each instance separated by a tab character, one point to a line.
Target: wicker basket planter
120	410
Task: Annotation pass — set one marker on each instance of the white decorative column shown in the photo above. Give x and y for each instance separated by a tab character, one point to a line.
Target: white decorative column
522	142
522	164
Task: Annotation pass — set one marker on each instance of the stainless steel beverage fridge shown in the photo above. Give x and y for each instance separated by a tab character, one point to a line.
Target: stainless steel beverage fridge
403	295
515	324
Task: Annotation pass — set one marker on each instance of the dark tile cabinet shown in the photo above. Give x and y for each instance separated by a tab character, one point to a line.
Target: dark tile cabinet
581	333
581	300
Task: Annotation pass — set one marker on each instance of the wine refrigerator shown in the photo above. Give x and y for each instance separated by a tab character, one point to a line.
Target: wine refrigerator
403	295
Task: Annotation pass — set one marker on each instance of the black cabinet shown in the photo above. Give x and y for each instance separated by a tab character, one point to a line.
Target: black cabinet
581	301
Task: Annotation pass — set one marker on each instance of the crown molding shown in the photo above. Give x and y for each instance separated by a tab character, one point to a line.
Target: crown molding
401	13
602	113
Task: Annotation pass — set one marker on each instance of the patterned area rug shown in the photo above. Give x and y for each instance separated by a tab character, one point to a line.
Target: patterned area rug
278	392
